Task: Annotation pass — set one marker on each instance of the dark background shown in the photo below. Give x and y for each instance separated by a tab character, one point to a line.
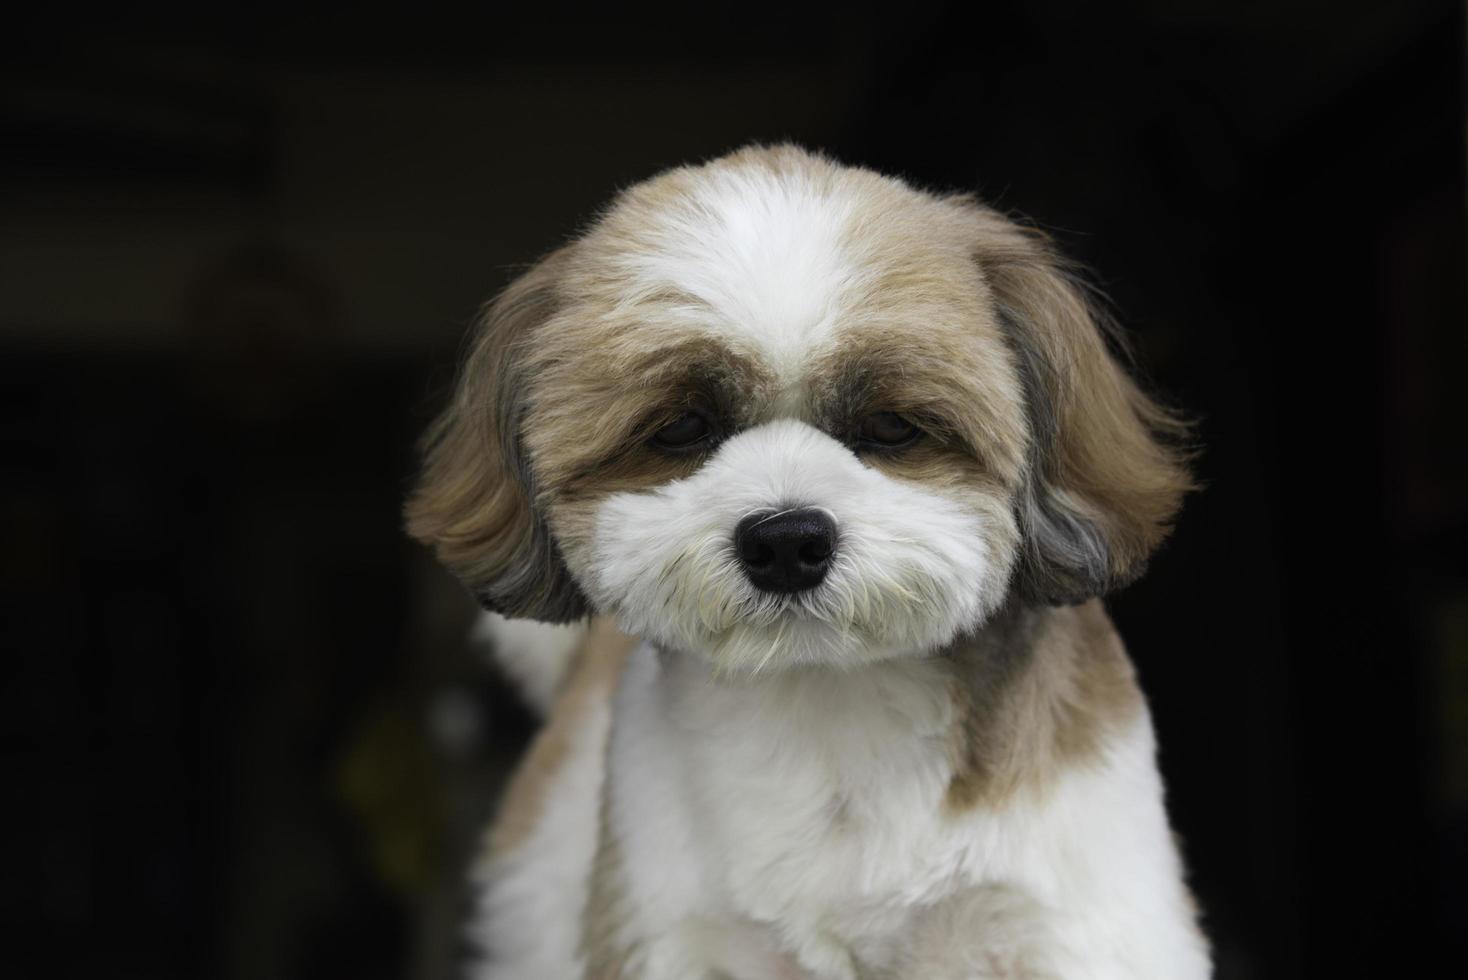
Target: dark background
244	734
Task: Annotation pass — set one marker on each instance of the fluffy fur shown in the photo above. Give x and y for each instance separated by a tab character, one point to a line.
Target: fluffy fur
934	764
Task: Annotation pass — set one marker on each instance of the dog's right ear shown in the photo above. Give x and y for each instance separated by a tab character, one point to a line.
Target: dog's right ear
474	502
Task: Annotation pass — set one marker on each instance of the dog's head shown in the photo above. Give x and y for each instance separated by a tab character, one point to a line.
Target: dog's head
775	410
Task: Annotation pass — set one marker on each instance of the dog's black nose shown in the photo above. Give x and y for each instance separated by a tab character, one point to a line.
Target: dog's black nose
786	552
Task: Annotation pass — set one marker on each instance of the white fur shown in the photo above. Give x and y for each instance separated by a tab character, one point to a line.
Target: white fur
528	919
786	825
766	254
911	568
534	655
811	804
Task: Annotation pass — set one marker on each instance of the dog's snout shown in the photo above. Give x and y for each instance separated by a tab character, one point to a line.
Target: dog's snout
788	551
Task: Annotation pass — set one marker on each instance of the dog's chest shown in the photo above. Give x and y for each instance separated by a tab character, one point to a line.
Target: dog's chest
821	796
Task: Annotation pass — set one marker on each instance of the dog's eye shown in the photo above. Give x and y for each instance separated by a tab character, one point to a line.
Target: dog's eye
685	432
887	430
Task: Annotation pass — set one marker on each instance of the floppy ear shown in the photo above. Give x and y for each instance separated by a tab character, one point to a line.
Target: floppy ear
474	500
1105	474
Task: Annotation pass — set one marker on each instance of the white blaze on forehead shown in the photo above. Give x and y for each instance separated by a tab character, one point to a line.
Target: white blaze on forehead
765	252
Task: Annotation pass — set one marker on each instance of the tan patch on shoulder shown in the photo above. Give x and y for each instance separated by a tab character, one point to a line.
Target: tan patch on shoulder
592	679
1038	693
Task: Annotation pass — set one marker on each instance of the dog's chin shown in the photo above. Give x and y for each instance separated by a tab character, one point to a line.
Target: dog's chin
794	641
812	629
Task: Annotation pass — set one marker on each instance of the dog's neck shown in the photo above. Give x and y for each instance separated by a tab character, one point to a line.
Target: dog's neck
1004	708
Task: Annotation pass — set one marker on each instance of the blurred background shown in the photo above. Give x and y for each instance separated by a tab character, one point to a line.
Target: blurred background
248	737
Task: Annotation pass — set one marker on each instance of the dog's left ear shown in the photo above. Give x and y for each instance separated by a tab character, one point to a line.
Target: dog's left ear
1106	472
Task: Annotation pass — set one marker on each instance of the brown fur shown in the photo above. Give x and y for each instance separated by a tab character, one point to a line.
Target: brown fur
1038	692
602	946
591	435
1107	476
598	665
473	501
958	385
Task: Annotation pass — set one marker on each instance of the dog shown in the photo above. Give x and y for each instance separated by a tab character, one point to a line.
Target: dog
828	474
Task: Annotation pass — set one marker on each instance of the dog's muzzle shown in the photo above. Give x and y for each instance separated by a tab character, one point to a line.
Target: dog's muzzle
786	551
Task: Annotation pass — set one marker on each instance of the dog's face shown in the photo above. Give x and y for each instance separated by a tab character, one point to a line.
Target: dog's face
772	411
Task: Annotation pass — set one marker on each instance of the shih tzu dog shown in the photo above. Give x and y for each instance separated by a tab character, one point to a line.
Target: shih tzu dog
829	473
